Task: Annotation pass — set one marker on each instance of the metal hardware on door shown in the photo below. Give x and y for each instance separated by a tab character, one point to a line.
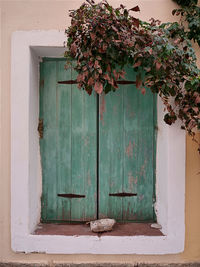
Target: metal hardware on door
71	195
75	82
68	82
40	128
123	194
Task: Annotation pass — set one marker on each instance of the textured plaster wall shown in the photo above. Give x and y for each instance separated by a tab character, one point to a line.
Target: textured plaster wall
52	14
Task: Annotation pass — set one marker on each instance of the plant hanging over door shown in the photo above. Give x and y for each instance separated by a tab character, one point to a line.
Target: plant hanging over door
103	39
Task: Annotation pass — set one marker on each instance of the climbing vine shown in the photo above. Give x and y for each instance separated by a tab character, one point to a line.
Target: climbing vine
103	39
190	13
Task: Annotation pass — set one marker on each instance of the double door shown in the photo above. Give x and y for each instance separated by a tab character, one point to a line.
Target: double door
97	152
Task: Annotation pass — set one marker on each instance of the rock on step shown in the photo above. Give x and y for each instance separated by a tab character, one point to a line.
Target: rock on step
102	225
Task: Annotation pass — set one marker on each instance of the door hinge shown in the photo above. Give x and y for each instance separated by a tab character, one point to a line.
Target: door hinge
40	128
123	194
75	82
71	195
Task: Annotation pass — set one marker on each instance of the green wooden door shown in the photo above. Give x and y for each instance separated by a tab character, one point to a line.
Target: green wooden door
127	153
68	147
97	153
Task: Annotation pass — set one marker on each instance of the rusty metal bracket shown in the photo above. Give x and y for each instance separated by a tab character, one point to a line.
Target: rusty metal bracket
68	82
126	82
123	194
40	128
71	195
75	82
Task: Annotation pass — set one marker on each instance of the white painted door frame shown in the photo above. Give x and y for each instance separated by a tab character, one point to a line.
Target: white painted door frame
27	49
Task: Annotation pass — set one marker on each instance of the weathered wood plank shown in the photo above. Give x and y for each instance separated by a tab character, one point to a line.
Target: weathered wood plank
139	153
84	155
48	142
111	154
63	160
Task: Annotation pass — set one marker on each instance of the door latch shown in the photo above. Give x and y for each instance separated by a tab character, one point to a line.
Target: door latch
40	128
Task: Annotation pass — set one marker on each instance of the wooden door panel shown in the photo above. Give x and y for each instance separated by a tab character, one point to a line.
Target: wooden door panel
127	153
123	137
68	147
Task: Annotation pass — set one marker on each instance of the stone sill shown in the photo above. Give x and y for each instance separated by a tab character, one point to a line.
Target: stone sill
120	229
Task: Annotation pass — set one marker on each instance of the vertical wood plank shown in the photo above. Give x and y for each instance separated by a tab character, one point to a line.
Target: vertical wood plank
48	143
41	116
131	147
63	102
110	154
139	152
84	154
